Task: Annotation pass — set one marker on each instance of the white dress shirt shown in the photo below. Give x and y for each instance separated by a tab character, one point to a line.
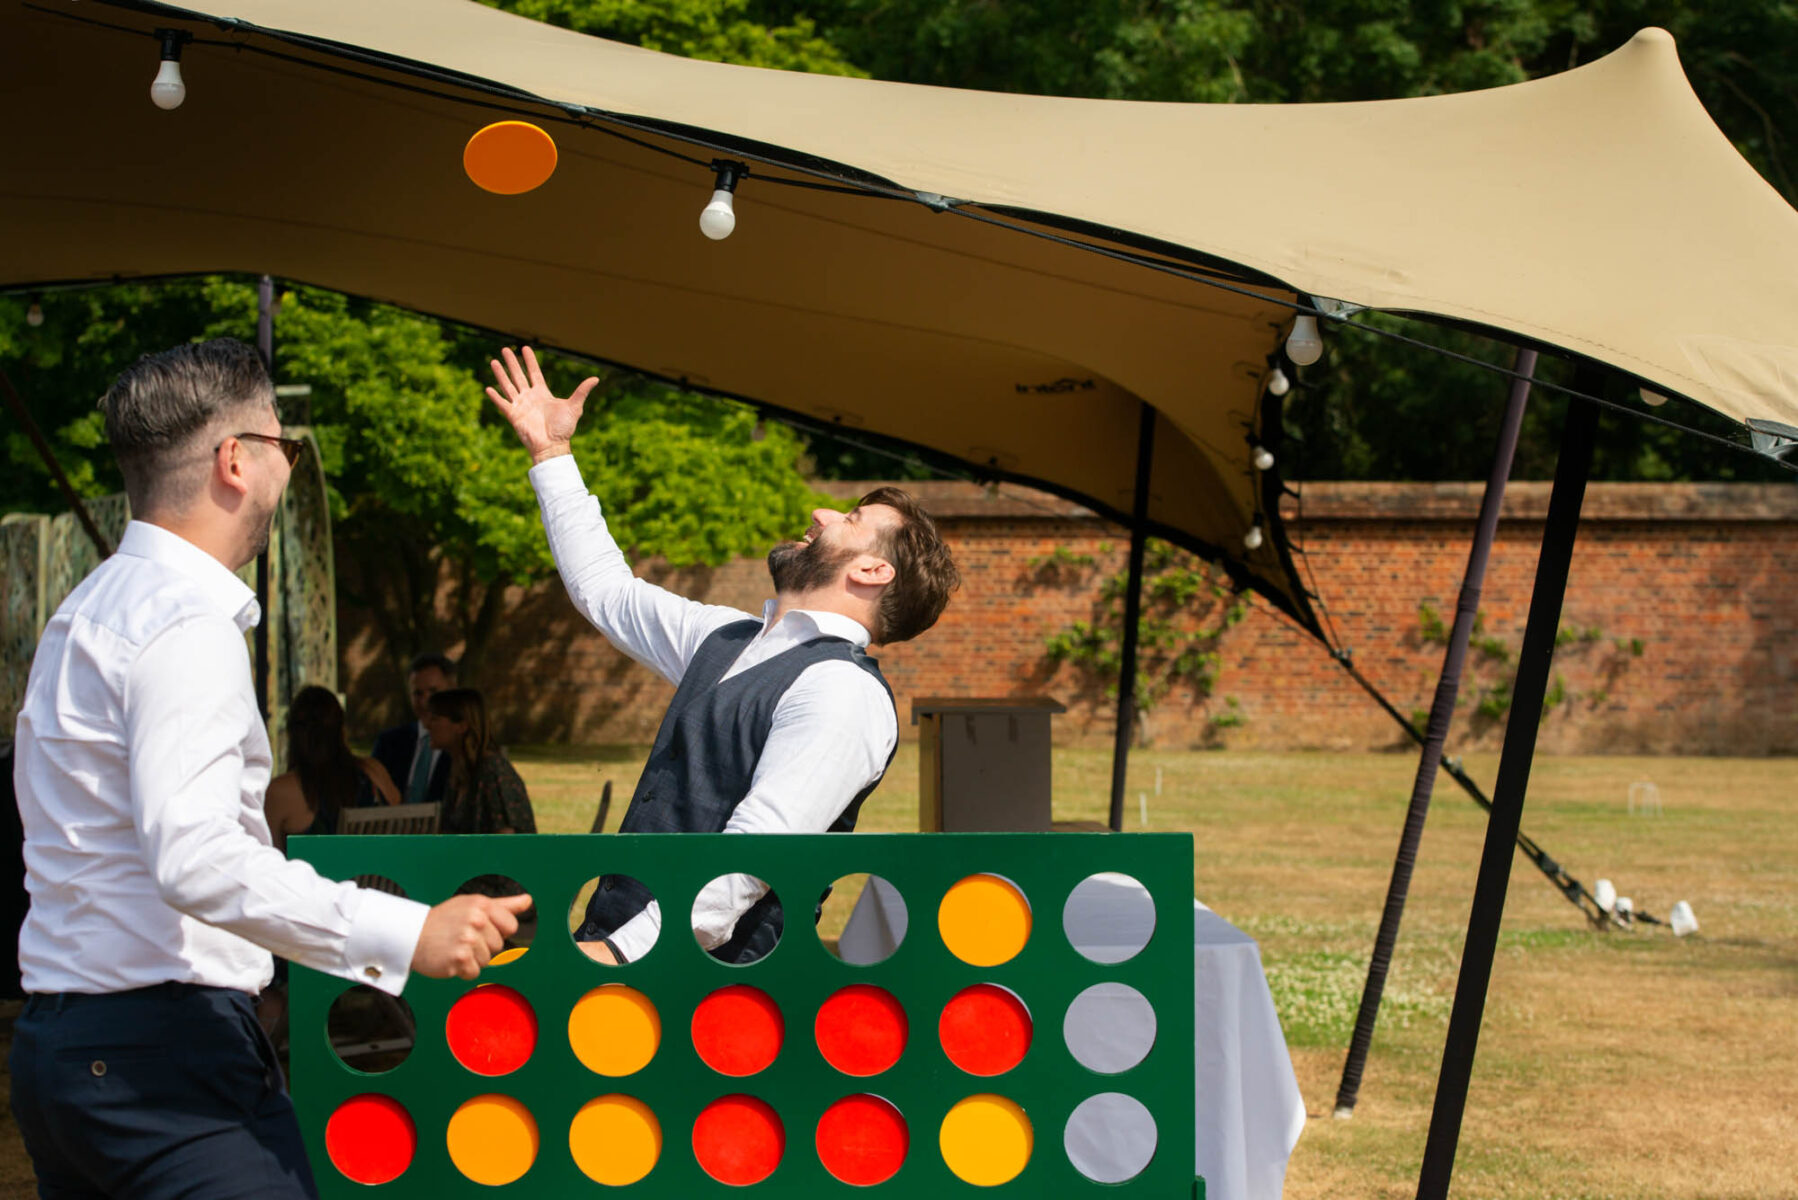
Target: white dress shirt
140	766
834	729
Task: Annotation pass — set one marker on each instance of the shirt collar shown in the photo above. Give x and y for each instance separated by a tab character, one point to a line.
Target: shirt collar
231	596
823	624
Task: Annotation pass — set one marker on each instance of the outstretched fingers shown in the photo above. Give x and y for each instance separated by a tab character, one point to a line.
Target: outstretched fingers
514	372
534	372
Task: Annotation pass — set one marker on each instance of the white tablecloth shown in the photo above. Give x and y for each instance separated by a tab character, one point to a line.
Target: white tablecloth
1250	1113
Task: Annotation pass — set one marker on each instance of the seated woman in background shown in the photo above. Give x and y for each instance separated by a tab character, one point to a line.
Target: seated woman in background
324	775
485	794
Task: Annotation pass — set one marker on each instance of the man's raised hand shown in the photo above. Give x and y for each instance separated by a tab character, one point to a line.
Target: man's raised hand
464	932
543	421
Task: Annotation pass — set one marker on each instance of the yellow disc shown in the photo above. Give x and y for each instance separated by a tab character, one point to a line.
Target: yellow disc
986	1140
984	920
615	1140
508	955
614	1030
509	157
492	1139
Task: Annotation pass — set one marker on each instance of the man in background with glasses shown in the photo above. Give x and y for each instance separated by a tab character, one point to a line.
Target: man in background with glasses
138	1067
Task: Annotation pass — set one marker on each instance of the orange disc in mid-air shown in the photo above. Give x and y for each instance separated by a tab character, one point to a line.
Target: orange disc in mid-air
509	157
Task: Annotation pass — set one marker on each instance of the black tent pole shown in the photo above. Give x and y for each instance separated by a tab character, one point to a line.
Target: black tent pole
1442	712
1139	515
265	343
1531	685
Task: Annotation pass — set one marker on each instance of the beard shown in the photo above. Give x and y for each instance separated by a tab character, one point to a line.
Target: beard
260	528
805	566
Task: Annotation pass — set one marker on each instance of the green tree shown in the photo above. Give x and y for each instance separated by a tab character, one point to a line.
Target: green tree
717	30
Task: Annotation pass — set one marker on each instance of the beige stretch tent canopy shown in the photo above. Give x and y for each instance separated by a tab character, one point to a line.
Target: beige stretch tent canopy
1599	211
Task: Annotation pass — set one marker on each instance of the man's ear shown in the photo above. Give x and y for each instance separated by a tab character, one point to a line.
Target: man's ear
871	572
228	466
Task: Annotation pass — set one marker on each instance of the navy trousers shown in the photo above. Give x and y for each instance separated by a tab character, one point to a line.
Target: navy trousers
164	1093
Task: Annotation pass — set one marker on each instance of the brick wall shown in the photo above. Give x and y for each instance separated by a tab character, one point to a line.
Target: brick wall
1681	620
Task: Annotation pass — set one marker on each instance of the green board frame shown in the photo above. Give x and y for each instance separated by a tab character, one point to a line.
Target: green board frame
800	974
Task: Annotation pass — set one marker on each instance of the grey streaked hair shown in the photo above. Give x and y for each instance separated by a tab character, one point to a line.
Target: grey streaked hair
160	403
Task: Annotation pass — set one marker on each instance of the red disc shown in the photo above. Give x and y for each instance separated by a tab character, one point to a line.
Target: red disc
491	1030
371	1138
985	1030
738	1030
738	1140
862	1140
861	1030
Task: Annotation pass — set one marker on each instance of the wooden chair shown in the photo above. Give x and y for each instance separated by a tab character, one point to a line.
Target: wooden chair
389	818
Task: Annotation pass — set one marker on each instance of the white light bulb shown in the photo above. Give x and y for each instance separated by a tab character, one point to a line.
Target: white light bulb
34	316
1304	345
168	91
1252	539
1682	920
1604	894
1263	459
1277	383
1653	399
718	217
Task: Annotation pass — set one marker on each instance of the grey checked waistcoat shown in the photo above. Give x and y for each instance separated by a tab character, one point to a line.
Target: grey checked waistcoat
702	766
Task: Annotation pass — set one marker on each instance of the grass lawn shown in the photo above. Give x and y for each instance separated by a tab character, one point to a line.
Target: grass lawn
1628	1065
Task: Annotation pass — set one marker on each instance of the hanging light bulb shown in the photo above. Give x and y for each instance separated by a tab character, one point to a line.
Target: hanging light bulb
1277	383
1653	399
34	315
719	217
1304	345
1263	458
168	89
1252	539
1604	894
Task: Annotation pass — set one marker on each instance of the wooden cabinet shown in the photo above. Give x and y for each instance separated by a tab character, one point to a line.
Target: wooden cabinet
983	765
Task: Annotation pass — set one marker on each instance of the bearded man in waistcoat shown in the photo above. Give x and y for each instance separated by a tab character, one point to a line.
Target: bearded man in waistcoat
780	723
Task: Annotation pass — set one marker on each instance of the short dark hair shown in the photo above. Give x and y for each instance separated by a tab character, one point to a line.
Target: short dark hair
431	658
924	573
161	402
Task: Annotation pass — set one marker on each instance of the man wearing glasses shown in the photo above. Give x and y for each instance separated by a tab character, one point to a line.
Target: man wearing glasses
138	1067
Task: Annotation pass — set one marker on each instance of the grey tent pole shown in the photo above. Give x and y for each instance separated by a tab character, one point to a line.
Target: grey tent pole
1528	690
265	344
1442	713
1139	515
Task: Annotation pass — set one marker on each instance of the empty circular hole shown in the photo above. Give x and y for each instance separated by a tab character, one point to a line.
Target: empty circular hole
1110	1027
371	1139
985	1029
738	1030
1110	1138
737	919
369	1030
505	885
1109	917
614	919
862	919
862	1140
739	1140
984	920
491	1030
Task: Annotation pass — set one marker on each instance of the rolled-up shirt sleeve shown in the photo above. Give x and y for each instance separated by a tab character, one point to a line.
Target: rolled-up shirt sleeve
188	699
833	734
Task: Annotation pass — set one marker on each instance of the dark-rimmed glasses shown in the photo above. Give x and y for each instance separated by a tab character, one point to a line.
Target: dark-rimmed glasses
291	448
